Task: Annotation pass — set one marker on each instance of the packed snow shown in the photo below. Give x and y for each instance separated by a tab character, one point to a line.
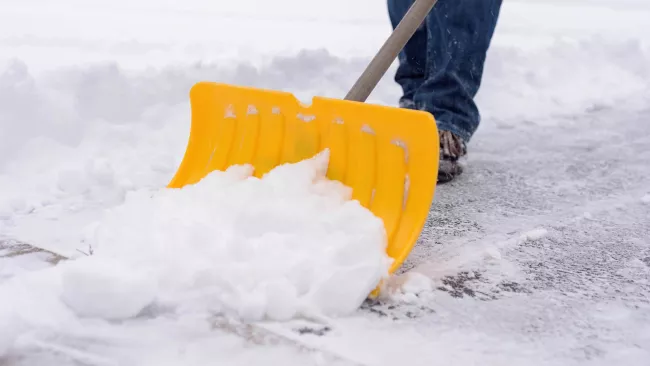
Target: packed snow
538	255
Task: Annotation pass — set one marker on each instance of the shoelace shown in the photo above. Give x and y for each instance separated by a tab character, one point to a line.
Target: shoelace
451	146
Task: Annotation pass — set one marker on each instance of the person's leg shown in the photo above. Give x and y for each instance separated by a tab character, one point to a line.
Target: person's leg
459	34
411	71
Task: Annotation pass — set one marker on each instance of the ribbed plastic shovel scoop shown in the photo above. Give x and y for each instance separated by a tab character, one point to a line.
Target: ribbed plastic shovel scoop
387	155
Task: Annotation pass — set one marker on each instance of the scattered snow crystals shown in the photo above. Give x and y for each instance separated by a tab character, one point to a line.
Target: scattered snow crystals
288	244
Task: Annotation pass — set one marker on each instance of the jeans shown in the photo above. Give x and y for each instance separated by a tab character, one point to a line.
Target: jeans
441	67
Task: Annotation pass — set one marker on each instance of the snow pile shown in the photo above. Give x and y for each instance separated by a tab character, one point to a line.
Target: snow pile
292	243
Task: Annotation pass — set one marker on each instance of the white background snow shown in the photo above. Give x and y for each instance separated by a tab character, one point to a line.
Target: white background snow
539	254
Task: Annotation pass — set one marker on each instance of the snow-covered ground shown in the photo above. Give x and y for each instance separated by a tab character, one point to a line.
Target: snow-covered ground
538	255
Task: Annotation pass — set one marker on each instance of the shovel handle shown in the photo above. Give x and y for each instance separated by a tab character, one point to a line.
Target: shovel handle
390	50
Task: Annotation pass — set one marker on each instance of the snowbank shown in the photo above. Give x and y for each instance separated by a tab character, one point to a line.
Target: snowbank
73	130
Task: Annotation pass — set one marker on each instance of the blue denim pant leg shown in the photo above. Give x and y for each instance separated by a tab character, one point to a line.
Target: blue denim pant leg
411	71
441	67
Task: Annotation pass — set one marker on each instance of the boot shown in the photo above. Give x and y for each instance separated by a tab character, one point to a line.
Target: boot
452	148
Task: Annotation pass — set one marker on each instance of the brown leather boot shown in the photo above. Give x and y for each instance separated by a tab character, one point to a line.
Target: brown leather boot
452	148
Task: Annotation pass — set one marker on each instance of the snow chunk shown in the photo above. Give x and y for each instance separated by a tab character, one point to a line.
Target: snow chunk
11	326
407	287
417	283
533	235
646	199
492	253
636	263
291	243
106	289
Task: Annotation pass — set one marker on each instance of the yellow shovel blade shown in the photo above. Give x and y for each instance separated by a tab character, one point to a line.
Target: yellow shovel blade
388	156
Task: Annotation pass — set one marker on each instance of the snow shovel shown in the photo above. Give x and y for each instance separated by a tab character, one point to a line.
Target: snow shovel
387	155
